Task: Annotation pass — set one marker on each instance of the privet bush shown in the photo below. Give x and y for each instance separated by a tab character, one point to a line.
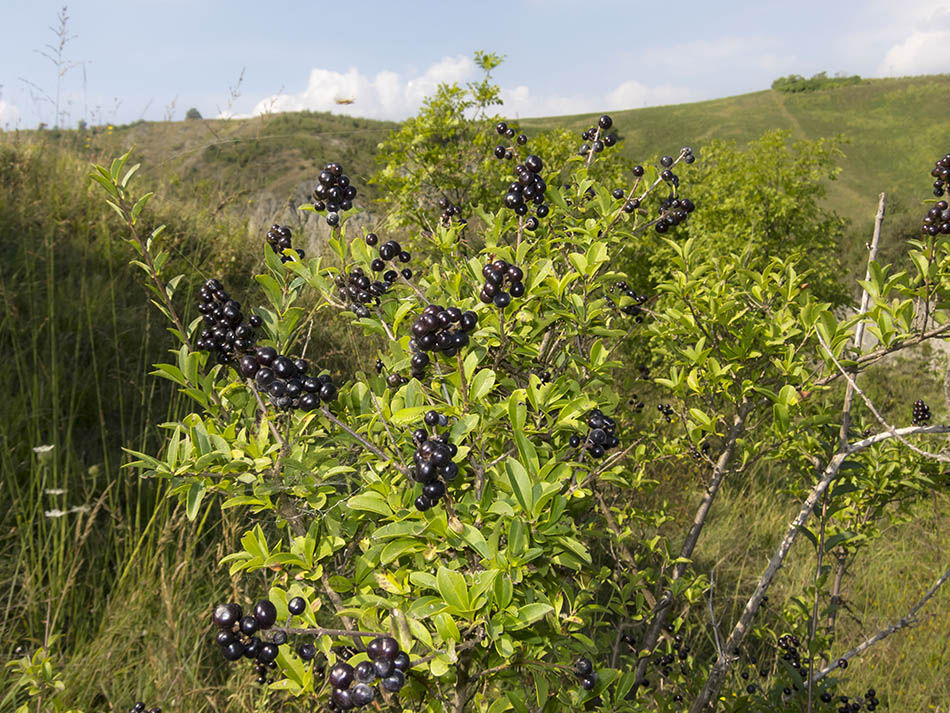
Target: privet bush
459	523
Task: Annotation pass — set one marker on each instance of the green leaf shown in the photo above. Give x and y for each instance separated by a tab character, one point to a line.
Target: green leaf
482	383
517	702
809	534
579	262
780	417
530	613
474	538
520	483
196	492
371	502
446	626
452	587
271	289
406	416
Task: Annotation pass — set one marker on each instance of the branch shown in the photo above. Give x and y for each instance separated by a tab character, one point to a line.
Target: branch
362	441
686	552
907	620
859	332
318	631
273	429
712	612
719	670
897	345
338	605
890	429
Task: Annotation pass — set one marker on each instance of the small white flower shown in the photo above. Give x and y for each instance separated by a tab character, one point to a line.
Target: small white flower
44	453
54	513
55	491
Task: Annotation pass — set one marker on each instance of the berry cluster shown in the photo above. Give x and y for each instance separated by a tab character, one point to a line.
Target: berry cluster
449	210
528	189
225	330
388	252
433	460
395	380
790	644
601	437
280	238
509	132
673	211
496	274
666	411
941	171
633	308
238	637
357	290
635	402
921	412
237	633
937	219
631	205
439	329
333	193
286	380
584	670
848	705
592	137
141	708
352	684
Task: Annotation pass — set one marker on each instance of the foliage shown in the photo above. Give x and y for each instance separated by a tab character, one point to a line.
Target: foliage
776	189
443	155
193	113
136	611
538	554
41	681
796	83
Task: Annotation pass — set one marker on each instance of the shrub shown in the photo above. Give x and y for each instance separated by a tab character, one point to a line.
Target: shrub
475	487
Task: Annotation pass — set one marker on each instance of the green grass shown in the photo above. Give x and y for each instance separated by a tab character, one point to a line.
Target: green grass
895	129
88	550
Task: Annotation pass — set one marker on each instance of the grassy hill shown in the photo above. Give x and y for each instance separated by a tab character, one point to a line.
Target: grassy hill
893	128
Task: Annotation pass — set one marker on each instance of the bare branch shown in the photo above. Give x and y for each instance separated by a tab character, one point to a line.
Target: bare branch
907	620
894	433
719	670
362	441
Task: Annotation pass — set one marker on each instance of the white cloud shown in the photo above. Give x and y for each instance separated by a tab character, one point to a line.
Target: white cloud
387	95
9	115
633	94
521	102
922	52
924	46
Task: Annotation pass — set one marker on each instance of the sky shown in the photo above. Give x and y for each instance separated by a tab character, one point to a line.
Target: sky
130	60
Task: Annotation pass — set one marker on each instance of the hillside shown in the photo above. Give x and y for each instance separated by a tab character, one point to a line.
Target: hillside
894	129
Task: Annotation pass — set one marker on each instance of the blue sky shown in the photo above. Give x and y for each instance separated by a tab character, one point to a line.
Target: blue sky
131	60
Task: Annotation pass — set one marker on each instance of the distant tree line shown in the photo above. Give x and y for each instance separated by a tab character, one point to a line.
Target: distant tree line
798	83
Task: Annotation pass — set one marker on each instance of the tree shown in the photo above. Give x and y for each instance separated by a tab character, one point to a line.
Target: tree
193	114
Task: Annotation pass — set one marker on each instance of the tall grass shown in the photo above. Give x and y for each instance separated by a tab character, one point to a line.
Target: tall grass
81	537
91	552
